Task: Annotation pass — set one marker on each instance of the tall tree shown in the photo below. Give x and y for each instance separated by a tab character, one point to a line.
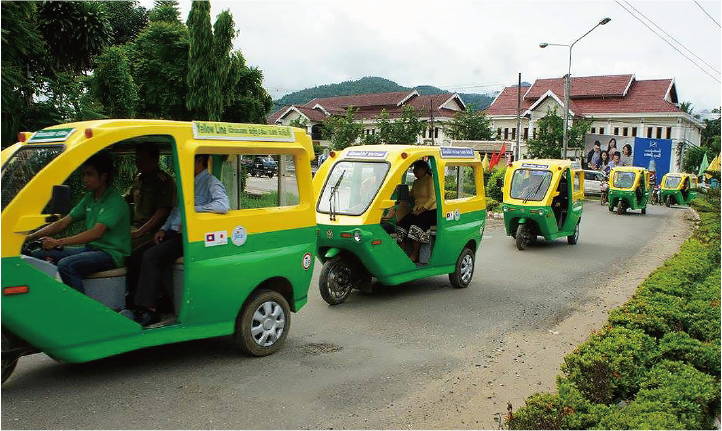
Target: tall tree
112	84
469	125
342	130
204	96
248	101
165	10
548	143
127	19
407	128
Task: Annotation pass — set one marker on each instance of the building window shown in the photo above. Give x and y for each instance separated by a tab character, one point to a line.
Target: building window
498	133
659	133
669	133
533	133
436	132
601	130
424	133
526	133
649	132
625	131
634	131
513	133
616	131
594	130
506	133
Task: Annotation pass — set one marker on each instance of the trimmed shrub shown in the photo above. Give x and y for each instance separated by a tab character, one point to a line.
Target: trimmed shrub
702	319
679	346
491	204
495	184
709	289
654	314
640	415
610	365
678	275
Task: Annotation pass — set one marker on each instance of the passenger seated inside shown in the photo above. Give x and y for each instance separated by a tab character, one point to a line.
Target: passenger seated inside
639	191
413	227
560	203
105	243
209	196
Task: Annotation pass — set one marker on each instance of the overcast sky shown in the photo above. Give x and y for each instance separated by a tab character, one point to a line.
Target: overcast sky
475	46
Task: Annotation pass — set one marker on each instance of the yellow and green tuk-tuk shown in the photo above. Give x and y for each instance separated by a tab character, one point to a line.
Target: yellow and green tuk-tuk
678	189
629	189
241	274
363	192
542	198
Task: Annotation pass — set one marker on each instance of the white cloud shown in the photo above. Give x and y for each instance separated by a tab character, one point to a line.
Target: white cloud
300	44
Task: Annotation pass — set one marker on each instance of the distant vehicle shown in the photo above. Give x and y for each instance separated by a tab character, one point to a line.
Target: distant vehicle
593	181
264	165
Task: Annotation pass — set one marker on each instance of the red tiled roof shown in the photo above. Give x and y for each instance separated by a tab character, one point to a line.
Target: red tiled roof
378	99
593	95
315	115
582	86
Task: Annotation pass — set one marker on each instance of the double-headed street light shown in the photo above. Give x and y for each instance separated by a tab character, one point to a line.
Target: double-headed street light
567	85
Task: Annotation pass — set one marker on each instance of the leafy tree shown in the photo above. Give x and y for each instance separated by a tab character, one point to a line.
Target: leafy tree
159	66
342	130
686	107
127	19
112	84
165	11
710	145
469	125
548	143
74	32
407	128
299	122
204	99
249	101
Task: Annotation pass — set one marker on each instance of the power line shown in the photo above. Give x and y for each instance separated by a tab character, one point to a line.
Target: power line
661	37
670	36
710	16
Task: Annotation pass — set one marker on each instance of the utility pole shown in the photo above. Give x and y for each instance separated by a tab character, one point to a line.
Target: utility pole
517	148
431	114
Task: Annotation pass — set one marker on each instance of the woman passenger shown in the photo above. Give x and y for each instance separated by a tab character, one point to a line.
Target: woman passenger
416	224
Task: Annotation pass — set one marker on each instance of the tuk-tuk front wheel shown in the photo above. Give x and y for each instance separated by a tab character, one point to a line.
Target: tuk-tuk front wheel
263	324
669	201
573	239
523	236
336	281
464	272
9	360
621	207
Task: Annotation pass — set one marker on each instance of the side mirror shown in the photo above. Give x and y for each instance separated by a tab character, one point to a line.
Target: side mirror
59	202
402	192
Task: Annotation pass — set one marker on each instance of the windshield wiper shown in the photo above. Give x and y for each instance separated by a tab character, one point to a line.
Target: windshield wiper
332	199
530	194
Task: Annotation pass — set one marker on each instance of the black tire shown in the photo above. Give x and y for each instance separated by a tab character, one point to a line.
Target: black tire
522	236
464	269
573	239
270	175
336	280
611	208
669	201
9	361
644	210
620	207
266	315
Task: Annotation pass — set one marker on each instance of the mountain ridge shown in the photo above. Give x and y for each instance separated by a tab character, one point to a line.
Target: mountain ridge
372	85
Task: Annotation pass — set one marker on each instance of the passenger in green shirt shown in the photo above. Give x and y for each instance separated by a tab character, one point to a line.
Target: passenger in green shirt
106	240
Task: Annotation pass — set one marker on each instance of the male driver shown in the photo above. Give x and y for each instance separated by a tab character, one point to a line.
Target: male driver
209	196
106	239
152	192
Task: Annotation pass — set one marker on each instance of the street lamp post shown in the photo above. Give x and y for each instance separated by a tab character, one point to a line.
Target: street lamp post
567	83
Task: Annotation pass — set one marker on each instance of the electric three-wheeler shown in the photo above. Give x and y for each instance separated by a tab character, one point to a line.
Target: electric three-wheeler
542	198
678	189
363	191
242	272
629	189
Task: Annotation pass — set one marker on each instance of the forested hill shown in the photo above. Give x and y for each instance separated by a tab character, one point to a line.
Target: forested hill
370	85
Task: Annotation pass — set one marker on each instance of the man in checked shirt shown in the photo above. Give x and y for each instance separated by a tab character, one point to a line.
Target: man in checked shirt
209	196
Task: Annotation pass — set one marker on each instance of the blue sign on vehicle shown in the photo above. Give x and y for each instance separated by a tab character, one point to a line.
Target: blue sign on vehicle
367	154
534	166
448	152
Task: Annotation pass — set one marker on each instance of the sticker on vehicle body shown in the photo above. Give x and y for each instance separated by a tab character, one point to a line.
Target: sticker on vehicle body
216	238
449	216
54	135
457	152
534	166
366	154
213	130
307	259
239	236
457	214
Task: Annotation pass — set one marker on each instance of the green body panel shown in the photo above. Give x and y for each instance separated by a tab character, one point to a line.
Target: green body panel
388	263
72	327
546	223
630	197
678	198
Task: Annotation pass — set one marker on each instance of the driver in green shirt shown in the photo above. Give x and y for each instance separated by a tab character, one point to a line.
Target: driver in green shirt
106	240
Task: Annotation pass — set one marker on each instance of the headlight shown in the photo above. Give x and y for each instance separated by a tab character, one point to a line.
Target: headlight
541	212
357	236
504	209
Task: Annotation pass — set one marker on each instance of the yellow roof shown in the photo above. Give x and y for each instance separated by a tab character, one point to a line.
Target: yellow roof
393	151
542	163
628	169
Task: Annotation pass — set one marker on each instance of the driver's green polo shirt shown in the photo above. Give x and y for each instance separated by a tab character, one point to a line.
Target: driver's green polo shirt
112	211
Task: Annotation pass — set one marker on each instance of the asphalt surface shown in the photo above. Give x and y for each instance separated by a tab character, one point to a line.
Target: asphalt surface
342	366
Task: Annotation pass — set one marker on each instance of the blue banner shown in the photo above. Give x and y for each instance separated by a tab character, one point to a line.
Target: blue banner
654	155
456	152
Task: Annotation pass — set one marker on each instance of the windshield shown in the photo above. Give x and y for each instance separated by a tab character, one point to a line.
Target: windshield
351	186
623	180
530	184
673	182
23	166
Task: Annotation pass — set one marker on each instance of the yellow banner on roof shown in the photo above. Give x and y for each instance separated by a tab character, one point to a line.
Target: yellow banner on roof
242	132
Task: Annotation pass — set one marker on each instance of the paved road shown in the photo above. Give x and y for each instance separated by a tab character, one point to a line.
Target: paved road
344	366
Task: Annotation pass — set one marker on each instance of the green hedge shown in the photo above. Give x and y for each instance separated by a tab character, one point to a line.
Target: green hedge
656	364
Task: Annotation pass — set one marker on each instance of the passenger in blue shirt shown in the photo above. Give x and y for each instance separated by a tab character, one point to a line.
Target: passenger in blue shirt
209	196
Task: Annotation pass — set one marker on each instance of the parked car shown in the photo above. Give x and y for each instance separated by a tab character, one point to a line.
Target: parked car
593	182
264	165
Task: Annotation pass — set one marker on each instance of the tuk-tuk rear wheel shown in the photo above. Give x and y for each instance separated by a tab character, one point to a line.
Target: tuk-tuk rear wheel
263	323
9	360
336	280
573	239
464	272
